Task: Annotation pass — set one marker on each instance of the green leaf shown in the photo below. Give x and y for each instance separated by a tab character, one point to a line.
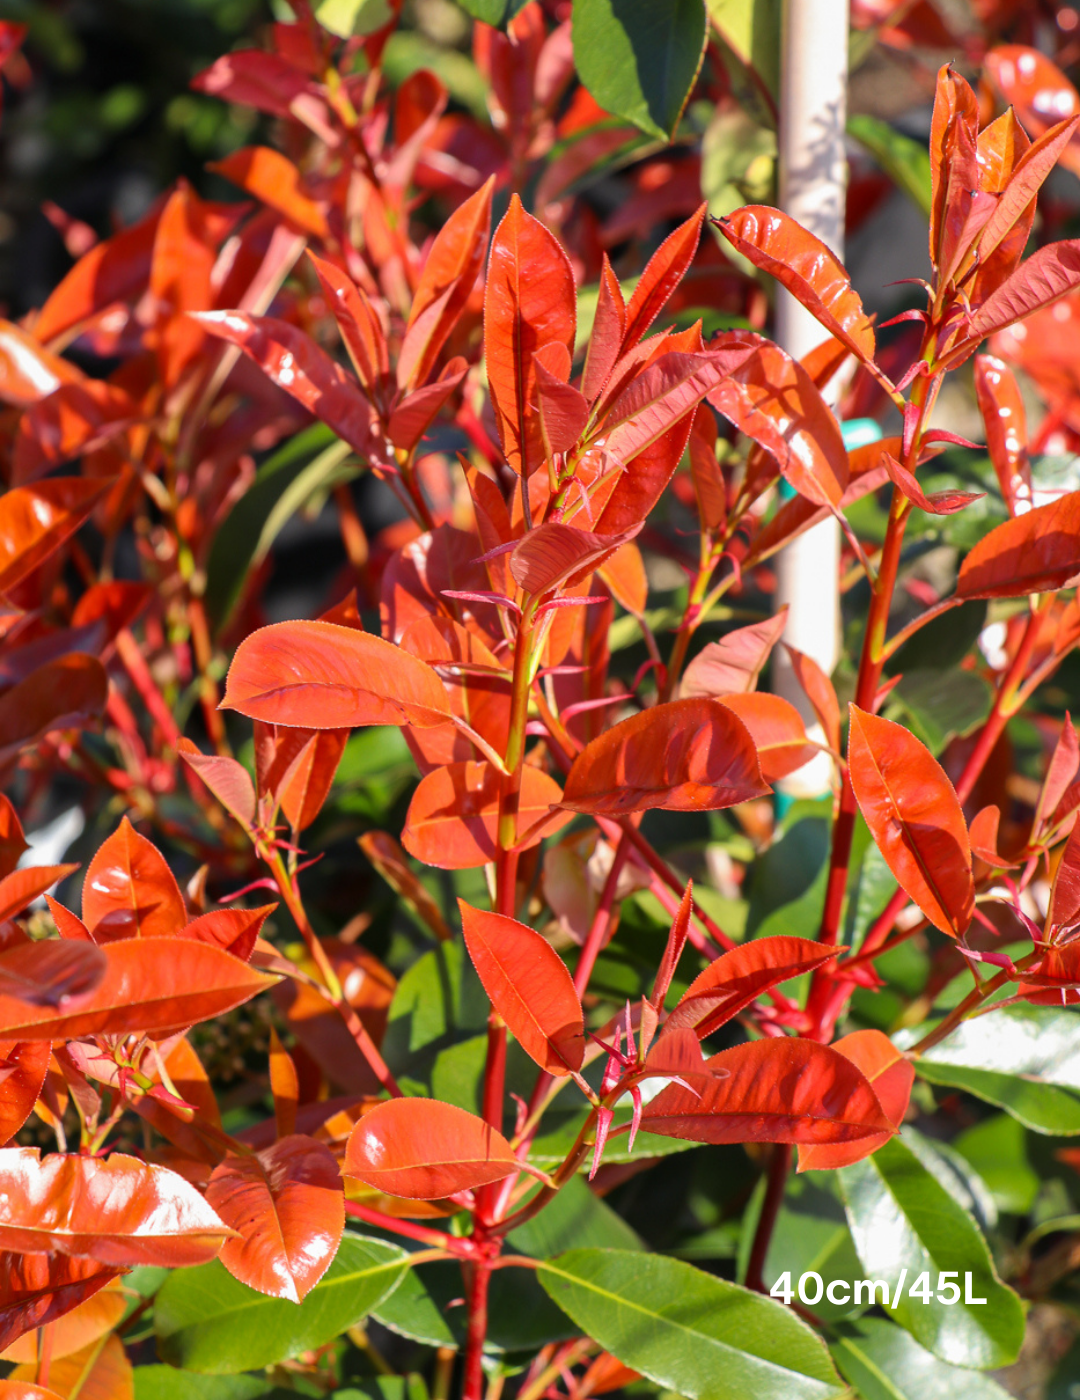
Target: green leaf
751	30
559	1129
939	707
166	1383
207	1321
903	159
348	17
904	1224
489	11
997	1149
942	643
575	1218
307	464
884	1363
1024	1059
640	59
812	1235
410	1387
697	1335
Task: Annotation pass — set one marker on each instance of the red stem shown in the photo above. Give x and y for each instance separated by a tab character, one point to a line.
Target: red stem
779	1166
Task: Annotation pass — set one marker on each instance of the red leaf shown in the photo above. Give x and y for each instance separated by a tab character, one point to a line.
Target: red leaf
1038	89
528	985
735	979
22	887
820	692
1050	273
564	410
772	399
74	419
663	273
424	1150
416	412
686	756
914	817
1002	408
275	180
234	930
530	301
59	695
269	83
454	814
36	520
642	484
88	1321
774	1090
360	327
734	663
228	780
287	1208
29	372
1064	908
709	486
940	503
12	839
1033	553
26	1390
554	554
605	343
129	891
116	1209
302	772
296	364
36	1289
662	395
983	835
808	268
777	730
454	262
50	973
317	675
891	1077
955	122
624	574
1024	183
23	1064
149	985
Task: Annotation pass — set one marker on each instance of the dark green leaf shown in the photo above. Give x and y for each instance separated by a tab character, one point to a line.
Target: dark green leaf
207	1321
942	643
575	1218
938	707
904	1224
997	1149
692	1333
884	1363
640	59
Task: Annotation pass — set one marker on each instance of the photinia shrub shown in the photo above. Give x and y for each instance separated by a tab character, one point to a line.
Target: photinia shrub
452	1000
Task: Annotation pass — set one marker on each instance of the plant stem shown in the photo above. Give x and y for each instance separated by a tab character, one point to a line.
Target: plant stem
779	1166
479	1278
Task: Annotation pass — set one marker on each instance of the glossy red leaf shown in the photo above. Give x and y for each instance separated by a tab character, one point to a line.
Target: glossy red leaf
76	418
914	817
296	364
774	1090
150	985
554	554
734	663
304	769
274	179
416	412
983	835
116	1209
939	502
1032	553
642	484
454	814
1064	910
234	930
1050	273
87	1323
227	779
564	410
891	1077
26	1390
269	83
777	729
61	694
318	675
663	273
663	394
808	268
129	890
29	372
624	575
19	889
23	1064
530	301
709	486
115	270
529	986
1003	412
734	980
605	342
36	520
453	263
955	123
424	1150
36	1289
1025	181
50	972
12	838
288	1210
686	756
360	327
772	399
1038	89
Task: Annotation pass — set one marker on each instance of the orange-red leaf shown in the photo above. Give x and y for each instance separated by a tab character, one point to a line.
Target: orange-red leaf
318	675
129	890
28	372
733	981
554	554
275	180
424	1149
97	1372
774	1090
116	1209
819	690
1051	272
228	780
23	1064
22	887
914	817
663	273
36	1289
687	756
82	1323
36	520
529	986
777	730
151	985
12	838
1002	408
609	327
59	695
234	930
287	1208
529	302
734	663
51	972
360	327
1032	553
454	814
890	1075
811	271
